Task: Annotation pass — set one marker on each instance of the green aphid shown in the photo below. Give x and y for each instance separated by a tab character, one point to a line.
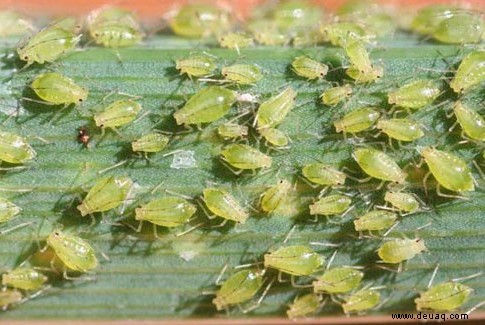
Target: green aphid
151	142
358	120
399	250
402	129
443	297
472	123
375	220
322	174
207	105
48	45
75	253
24	278
365	76
361	301
235	41
238	288
309	68
379	165
331	205
295	260
9	297
308	38
232	131
197	65
338	280
289	15
274	196
106	194
56	89
274	110
450	171
361	68
13	24
304	306
269	35
200	20
14	149
224	205
242	74
274	137
114	27
335	95
8	210
405	202
471	72
242	156
461	28
167	212
427	19
340	33
118	113
416	94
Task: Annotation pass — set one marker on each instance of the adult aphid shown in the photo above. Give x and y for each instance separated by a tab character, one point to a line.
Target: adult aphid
472	123
331	205
335	95
149	143
232	131
224	205
55	89
322	174
303	306
10	297
274	196
461	27
118	113
361	69
340	33
361	300
376	220
295	260
309	68
471	72
8	210
197	65
416	94
274	137
15	149
24	278
274	110
401	129
235	41
242	74
244	157
379	165
401	201
338	280
396	251
357	120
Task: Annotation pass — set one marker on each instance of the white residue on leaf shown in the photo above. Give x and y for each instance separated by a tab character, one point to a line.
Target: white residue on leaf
183	159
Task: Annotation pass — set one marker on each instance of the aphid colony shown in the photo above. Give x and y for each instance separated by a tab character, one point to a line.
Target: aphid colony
213	103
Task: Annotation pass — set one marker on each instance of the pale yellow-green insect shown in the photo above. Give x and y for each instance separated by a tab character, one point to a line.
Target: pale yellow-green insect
295	260
402	201
224	205
415	94
402	129
338	280
232	130
357	120
361	300
379	165
274	137
242	74
235	41
55	89
15	149
472	123
244	157
10	297
151	142
308	68
399	250
273	197
471	72
274	110
24	278
197	65
322	174
335	95
304	306
118	113
8	210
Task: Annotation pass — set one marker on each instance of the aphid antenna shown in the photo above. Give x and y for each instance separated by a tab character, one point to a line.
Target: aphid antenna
289	234
480	304
19	226
300	286
221	274
260	300
189	230
479	169
391	229
468	277
187	197
121	163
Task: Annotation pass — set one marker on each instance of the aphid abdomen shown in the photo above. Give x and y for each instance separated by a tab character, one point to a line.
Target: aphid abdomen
444	297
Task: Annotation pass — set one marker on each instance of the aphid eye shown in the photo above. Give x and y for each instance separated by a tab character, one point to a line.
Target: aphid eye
26	57
56	233
96	34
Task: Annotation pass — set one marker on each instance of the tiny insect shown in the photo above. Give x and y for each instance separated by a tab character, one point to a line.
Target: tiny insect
224	205
239	288
48	45
8	210
361	68
472	123
75	253
14	149
322	174
273	197
405	202
308	38
471	72
232	131
402	129
151	142
295	260
83	136
375	220
304	305
331	205
357	120
340	33
9	297
118	113
106	194
427	19
360	301
450	171
379	165
273	111
399	250
55	89
200	20
288	15
114	27
274	137
207	105
335	95
197	65
242	157
338	280
166	212
416	94
13	24
270	36
462	27
309	68
242	74
24	278
235	41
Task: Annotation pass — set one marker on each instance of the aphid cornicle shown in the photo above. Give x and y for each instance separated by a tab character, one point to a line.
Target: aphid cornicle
443	297
295	260
243	74
361	301
207	105
75	253
274	137
224	205
167	212
357	120
416	94
338	280
24	278
309	68
244	157
238	288
56	89
8	210
471	72
322	174
406	202
106	194
402	129
330	205
118	113
464	26
304	306
274	110
399	250
472	123
375	220
379	165
232	130
199	20
9	297
274	196
333	96
15	149
450	171
151	142
197	65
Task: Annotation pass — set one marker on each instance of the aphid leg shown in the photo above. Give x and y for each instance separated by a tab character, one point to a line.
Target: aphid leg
13	168
425	179
330	261
468	277
6	231
390	229
438	191
155	232
480	304
435	271
176	193
387	268
280	277
235	172
219	277
479	169
189	230
261	298
207	213
121	163
289	234
296	285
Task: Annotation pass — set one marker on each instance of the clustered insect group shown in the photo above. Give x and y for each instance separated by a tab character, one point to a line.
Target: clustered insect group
352	30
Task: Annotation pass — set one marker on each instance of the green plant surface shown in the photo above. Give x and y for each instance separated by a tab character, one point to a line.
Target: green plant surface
147	277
